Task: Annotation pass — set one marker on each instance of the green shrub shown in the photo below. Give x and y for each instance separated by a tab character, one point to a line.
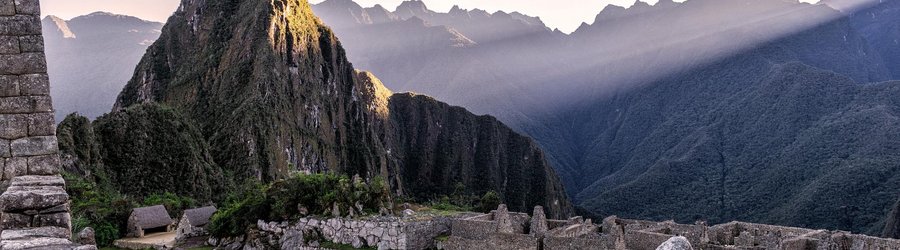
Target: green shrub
283	199
102	209
174	204
489	201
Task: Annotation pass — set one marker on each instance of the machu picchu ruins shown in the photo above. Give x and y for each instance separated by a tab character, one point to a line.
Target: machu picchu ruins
251	117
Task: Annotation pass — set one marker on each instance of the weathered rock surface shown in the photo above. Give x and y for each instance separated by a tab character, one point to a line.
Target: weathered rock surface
892	223
676	243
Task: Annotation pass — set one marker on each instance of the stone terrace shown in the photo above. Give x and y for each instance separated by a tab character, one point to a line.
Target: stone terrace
34	206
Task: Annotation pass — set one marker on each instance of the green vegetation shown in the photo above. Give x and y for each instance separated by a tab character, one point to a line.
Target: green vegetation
174	204
106	210
315	194
461	201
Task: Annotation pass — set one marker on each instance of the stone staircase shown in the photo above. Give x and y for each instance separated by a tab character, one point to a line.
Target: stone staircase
34	206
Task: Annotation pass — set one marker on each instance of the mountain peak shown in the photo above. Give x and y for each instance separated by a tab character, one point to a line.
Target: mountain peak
62	27
413	6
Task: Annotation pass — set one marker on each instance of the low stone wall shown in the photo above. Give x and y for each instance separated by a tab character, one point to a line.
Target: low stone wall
309	233
598	242
495	241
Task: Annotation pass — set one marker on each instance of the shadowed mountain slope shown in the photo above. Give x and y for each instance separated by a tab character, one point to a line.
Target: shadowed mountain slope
652	112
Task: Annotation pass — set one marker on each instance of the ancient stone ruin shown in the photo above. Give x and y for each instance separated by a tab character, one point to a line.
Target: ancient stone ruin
492	231
34	206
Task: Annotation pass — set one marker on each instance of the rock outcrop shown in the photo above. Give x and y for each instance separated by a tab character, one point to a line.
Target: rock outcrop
892	223
270	88
676	243
34	208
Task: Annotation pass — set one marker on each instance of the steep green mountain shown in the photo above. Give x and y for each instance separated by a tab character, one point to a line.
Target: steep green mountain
140	151
270	89
91	57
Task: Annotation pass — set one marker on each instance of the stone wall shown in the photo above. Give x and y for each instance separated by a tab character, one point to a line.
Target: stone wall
309	233
495	241
34	206
598	242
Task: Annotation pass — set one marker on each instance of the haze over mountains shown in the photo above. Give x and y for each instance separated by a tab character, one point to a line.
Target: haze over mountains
768	111
91	57
665	111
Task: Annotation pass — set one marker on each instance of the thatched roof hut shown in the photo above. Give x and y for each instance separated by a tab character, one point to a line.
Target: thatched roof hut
154	218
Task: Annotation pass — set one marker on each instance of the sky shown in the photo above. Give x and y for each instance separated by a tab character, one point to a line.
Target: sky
566	15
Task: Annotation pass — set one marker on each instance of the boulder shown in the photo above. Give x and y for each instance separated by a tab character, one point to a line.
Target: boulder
676	243
86	237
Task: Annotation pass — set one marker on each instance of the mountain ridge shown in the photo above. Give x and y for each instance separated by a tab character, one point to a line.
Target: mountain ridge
270	86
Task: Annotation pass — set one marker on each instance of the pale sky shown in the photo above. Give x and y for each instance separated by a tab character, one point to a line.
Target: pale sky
566	15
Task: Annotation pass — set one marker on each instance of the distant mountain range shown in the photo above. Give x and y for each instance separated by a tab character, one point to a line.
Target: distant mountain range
667	111
767	111
91	57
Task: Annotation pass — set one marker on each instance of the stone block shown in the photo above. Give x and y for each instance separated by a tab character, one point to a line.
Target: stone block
4	151
7	8
56	209
43	165
38	232
41	124
39	181
34	146
25	104
20	25
33	43
44	243
14	220
28	7
16	166
9	85
17	198
24	63
63	220
34	84
9	45
13	126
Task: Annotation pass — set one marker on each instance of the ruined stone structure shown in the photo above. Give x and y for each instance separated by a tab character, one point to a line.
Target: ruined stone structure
34	203
501	229
193	222
382	232
491	231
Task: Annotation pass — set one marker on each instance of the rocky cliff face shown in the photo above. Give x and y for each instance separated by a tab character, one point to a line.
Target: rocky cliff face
271	90
892	223
440	145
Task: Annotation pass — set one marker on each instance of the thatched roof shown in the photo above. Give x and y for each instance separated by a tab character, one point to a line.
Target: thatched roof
200	216
151	217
